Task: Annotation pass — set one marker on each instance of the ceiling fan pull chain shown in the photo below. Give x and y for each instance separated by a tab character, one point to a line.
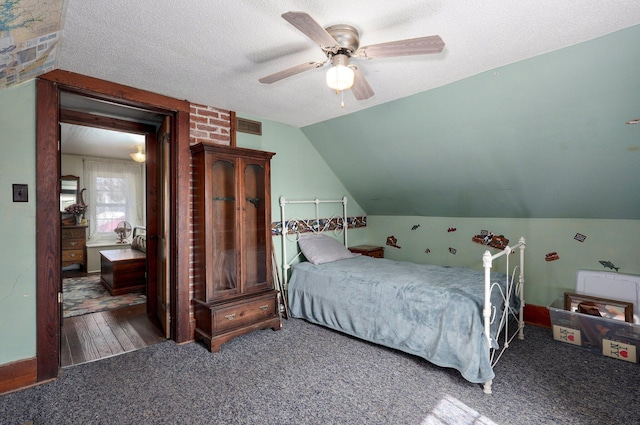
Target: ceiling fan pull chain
342	103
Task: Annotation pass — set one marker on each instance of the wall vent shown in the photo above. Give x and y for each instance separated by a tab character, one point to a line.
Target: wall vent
248	126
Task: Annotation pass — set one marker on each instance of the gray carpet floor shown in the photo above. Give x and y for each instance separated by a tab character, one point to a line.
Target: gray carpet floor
306	374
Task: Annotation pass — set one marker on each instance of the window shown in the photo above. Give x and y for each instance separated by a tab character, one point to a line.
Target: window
115	195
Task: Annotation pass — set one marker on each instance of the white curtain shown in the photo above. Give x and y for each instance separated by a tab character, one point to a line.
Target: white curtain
115	194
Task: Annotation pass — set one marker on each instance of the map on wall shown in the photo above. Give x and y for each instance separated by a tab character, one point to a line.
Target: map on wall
29	35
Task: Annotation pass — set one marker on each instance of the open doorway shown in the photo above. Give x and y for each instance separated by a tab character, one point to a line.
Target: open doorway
104	264
50	111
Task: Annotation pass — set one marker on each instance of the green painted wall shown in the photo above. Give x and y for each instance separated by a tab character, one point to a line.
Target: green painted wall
18	229
613	240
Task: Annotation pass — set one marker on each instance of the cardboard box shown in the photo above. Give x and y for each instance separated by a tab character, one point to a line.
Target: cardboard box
613	338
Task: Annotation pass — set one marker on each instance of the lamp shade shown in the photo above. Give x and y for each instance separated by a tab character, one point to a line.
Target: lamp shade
340	76
138	156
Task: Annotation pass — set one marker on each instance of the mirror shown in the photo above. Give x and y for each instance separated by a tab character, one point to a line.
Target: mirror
68	191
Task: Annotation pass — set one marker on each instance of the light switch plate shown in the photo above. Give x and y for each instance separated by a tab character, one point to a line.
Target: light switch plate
20	193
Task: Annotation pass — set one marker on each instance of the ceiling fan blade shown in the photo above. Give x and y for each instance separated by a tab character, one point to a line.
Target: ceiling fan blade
285	73
361	88
413	46
309	27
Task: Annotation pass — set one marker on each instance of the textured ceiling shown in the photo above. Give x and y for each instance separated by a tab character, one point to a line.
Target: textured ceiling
213	53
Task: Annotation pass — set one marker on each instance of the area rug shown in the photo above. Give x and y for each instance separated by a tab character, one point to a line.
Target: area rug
84	295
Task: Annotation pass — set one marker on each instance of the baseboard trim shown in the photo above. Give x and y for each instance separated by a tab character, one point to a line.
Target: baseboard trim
537	315
17	375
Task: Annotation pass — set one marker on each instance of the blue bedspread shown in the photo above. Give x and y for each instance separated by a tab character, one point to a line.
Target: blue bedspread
430	311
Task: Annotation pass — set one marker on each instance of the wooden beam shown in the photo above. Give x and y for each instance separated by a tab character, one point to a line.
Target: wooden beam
83	118
119	93
181	214
48	274
233	124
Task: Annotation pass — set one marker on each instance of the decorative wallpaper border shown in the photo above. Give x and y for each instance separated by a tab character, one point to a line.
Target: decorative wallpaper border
312	225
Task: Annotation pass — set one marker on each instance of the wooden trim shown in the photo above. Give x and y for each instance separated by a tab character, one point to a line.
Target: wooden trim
181	214
233	128
151	168
17	375
82	118
48	264
537	315
94	87
230	151
48	271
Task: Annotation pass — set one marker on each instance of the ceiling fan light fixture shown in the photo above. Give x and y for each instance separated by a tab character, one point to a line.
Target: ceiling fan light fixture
340	76
138	156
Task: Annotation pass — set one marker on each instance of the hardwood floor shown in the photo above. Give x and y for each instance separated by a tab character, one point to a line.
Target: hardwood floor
98	335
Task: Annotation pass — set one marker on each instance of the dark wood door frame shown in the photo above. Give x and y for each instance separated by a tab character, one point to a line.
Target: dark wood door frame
48	275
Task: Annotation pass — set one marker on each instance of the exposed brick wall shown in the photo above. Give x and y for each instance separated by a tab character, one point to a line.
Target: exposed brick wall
209	125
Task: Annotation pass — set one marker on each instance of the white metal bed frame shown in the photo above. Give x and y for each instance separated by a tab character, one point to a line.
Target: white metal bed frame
489	311
299	223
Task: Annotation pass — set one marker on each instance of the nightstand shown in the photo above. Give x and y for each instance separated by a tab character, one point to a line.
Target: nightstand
368	250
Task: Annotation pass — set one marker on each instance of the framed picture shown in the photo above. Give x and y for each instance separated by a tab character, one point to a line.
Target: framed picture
602	307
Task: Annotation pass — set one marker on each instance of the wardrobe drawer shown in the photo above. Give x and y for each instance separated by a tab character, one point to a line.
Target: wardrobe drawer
243	314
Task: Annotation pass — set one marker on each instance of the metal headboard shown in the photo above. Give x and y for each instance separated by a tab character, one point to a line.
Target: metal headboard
288	227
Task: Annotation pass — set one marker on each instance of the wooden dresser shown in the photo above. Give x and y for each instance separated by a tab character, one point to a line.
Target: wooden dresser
74	246
234	291
368	250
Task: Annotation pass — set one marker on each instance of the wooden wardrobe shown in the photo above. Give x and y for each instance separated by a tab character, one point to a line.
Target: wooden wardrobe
234	291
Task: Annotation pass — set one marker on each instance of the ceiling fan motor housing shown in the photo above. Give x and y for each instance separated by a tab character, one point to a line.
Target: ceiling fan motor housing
347	38
340	59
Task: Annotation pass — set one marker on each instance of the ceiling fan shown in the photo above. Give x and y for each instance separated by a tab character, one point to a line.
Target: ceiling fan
342	42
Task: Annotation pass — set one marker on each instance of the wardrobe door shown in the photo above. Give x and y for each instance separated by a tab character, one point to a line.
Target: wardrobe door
223	251
256	227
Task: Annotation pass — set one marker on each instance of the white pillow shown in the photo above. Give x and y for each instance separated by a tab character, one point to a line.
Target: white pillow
319	249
